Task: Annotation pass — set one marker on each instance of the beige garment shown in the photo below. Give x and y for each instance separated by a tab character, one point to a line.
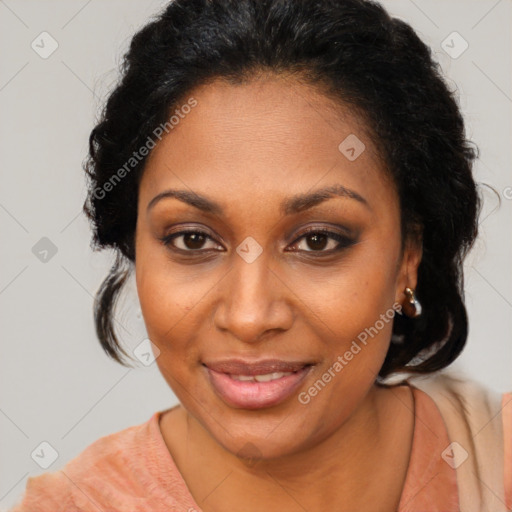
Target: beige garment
473	415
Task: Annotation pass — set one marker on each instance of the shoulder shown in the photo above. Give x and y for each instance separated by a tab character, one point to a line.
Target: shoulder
467	405
103	473
478	421
49	492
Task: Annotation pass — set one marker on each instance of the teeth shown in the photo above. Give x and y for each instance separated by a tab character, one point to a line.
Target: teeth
261	378
271	376
242	377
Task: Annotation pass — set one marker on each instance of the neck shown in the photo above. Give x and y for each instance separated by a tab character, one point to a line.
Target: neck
345	469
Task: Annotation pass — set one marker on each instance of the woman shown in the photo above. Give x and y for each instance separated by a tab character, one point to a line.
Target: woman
291	184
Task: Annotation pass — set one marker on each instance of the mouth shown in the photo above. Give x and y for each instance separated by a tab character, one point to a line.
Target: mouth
257	385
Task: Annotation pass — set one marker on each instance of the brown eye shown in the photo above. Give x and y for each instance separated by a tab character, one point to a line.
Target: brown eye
322	241
194	240
317	242
188	241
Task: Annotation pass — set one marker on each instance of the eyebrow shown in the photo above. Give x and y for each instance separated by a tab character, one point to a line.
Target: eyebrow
291	205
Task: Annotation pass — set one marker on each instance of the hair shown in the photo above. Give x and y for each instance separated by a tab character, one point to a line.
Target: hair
351	50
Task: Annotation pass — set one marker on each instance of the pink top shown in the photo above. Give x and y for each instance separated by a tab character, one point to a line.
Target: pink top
133	471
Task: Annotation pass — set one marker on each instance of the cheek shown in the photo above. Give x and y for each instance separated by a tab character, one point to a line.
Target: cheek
351	297
165	304
355	334
163	298
166	291
165	307
353	312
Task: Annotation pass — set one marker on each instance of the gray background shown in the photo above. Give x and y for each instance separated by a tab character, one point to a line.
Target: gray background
56	384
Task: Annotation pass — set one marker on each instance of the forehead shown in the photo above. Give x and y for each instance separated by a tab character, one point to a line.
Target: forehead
267	138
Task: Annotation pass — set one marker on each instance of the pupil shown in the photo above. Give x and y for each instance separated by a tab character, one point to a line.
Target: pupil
194	240
318	241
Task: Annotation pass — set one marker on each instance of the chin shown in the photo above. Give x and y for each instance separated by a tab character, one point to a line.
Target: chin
265	434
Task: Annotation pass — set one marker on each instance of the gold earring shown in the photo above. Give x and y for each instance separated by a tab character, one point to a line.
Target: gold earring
413	303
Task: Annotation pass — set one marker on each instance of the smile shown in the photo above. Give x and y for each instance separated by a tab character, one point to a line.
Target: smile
256	386
261	378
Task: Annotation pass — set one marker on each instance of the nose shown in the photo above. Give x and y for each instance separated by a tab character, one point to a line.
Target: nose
254	301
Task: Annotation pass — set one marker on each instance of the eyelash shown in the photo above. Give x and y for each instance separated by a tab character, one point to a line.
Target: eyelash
343	241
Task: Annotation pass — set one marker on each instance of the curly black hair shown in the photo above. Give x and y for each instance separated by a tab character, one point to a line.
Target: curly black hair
353	51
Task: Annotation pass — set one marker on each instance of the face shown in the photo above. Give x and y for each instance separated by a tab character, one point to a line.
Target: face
269	263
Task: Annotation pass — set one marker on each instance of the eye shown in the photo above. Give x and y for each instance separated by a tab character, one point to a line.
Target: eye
189	241
314	240
323	241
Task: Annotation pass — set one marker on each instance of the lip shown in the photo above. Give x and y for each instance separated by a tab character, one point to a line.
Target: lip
255	395
244	367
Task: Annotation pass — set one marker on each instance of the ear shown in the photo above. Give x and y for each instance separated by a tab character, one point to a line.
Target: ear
408	268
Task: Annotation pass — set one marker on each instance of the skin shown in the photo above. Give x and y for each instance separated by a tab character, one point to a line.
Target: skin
249	147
